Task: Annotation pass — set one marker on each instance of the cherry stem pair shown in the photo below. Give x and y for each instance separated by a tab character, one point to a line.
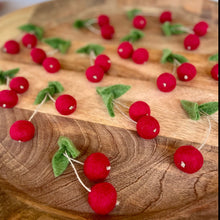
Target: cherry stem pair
90	27
92	57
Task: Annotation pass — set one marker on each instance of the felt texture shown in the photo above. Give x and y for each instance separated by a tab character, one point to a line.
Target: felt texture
110	93
139	22
103	61
29	40
140	56
7	74
166	82
66	104
148	127
38	55
125	50
200	29
11	47
188	159
58	43
208	108
59	161
8	98
51	65
170	57
214	57
165	16
172	29
22	131
138	109
96	48
19	84
30	28
186	72
103	20
132	13
191	42
107	31
94	73
102	198
95	167
80	23
134	35
191	108
214	72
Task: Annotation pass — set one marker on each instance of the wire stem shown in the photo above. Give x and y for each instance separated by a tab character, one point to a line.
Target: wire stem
76	161
91	28
92	57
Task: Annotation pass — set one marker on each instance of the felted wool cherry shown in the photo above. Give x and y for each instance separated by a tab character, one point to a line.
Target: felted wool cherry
107	31
94	73
19	84
148	127
96	167
139	22
201	28
51	65
191	42
102	198
103	61
38	55
11	47
188	159
140	56
22	131
166	82
214	72
125	50
65	104
8	98
138	109
165	16
186	72
103	20
29	40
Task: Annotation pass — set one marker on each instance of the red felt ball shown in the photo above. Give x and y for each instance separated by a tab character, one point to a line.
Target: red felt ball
188	159
148	127
96	167
191	42
103	20
186	72
94	73
107	31
38	55
29	40
11	47
138	109
102	198
51	65
125	50
103	61
8	98
139	22
166	82
140	56
22	131
201	28
165	16
214	72
19	84
65	104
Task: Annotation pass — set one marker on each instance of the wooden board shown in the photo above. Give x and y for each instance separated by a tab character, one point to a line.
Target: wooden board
149	185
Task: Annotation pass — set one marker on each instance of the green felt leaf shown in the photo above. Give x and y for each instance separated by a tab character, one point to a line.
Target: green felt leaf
191	109
133	36
208	108
80	23
166	28
175	29
31	28
108	101
132	13
179	58
59	162
68	146
166	54
57	86
2	78
214	57
10	73
96	48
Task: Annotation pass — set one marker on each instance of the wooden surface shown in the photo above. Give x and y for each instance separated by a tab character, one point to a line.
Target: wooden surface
149	186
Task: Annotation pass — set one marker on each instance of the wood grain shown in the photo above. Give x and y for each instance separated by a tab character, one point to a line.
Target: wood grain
148	184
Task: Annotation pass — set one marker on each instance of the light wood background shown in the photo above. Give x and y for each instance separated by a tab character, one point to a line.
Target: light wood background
149	185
